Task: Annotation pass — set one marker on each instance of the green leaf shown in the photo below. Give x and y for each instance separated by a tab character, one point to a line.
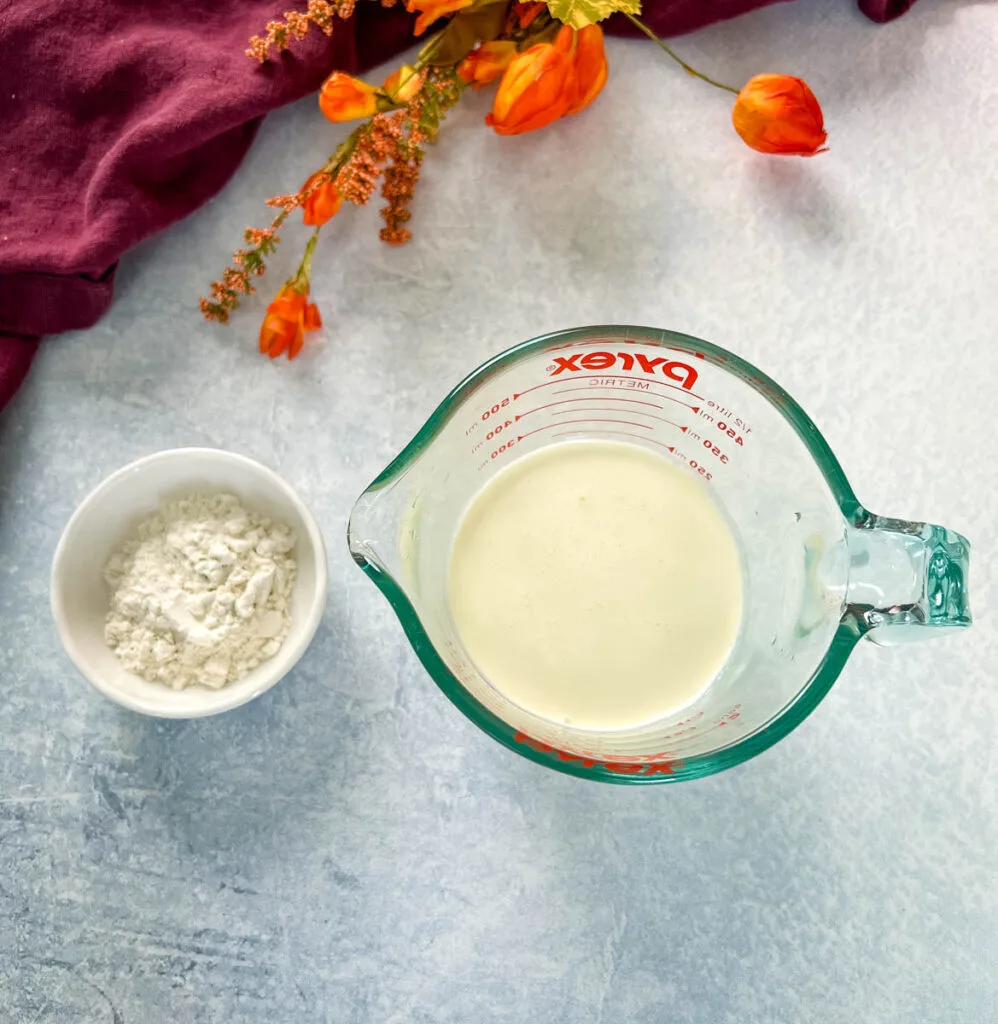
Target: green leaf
579	13
463	32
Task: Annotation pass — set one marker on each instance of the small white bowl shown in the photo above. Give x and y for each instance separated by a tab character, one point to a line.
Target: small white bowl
112	512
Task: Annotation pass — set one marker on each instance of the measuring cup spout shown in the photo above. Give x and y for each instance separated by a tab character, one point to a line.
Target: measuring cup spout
907	581
372	532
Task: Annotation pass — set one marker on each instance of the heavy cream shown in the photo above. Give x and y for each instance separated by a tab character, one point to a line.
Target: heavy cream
596	584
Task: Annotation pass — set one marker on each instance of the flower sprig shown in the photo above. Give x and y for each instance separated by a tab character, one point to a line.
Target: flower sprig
279	35
235	281
551	63
388	147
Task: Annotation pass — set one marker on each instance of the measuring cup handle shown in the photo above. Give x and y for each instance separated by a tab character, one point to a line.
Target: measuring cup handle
907	581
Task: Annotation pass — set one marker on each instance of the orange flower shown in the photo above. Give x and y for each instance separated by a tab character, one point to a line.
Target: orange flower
590	67
526	12
287	319
431	10
323	204
344	98
486	62
537	88
779	114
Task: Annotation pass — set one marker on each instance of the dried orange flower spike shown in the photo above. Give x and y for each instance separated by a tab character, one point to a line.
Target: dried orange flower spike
296	25
779	114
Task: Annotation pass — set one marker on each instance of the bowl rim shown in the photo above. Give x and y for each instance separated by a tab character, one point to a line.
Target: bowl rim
229	696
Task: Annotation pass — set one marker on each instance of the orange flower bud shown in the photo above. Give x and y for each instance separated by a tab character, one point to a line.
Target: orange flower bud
345	98
432	10
590	67
537	88
322	204
402	85
486	62
287	319
779	114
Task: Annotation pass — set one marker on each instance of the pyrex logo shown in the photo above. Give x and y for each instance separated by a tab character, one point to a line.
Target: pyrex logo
682	373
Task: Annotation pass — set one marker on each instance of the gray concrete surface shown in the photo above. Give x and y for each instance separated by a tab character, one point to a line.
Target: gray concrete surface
349	848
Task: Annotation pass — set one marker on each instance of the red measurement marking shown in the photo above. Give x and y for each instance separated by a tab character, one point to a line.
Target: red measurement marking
656	767
651	415
619	433
566	401
687	737
602	398
564	423
612	376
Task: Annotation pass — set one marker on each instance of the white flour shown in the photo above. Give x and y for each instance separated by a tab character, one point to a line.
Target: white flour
202	594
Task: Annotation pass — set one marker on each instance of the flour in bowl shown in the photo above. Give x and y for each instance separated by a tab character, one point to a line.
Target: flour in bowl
202	593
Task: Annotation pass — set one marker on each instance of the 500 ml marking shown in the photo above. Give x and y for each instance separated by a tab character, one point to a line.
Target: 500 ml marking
487	415
495	408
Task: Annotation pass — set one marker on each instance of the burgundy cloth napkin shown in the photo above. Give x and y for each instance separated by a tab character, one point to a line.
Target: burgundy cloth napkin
122	116
884	10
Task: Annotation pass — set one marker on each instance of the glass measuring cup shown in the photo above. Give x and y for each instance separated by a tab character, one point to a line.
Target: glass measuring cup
820	571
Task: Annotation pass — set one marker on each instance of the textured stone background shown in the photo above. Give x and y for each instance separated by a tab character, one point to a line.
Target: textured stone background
349	848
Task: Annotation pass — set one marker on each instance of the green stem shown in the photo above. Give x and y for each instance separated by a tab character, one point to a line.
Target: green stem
300	281
343	153
428	52
679	60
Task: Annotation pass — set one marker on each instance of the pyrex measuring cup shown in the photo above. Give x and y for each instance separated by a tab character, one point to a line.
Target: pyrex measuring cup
820	571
